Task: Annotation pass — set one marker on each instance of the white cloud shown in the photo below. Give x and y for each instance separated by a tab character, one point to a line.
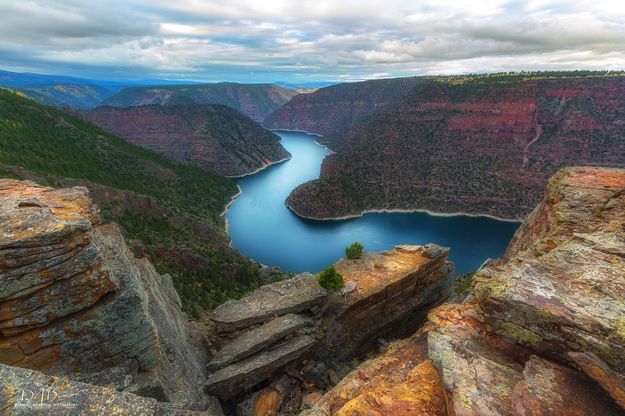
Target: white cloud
320	39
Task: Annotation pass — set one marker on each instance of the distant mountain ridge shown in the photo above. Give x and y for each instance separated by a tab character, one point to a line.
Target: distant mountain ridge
331	108
254	100
66	91
473	144
214	137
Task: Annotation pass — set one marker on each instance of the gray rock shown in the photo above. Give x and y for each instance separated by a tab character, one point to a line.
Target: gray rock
240	377
434	250
257	339
26	392
276	299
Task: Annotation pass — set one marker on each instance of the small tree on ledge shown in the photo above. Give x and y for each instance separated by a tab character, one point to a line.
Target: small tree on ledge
330	279
354	251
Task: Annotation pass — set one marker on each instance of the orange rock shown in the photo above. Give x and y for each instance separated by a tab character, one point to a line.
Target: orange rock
268	402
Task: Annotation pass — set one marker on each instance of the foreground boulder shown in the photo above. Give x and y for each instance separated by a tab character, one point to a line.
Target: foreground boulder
75	302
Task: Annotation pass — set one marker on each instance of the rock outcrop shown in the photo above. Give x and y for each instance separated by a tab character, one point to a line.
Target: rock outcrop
286	324
275	299
213	137
392	291
479	145
75	302
539	333
262	333
561	293
254	100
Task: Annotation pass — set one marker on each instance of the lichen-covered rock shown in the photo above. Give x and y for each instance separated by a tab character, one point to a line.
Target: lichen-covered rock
561	286
26	392
550	389
75	302
275	299
478	374
258	339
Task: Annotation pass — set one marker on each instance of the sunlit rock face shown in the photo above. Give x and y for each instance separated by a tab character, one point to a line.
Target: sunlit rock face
386	294
75	302
539	332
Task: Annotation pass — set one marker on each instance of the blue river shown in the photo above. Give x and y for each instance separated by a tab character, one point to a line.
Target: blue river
263	228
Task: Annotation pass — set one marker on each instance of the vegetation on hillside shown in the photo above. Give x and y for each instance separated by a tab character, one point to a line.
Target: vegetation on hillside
172	210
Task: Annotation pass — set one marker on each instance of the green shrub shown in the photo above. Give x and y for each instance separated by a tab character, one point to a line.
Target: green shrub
330	279
354	251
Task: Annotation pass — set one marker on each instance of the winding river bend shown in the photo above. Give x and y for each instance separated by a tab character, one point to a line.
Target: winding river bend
263	228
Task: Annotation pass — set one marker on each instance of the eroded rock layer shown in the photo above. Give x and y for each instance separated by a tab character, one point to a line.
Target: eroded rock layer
75	302
387	293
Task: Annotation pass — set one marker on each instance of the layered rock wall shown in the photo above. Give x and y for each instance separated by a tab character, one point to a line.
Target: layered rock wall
75	302
295	328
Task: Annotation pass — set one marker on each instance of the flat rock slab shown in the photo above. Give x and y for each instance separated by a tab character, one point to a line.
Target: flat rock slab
258	339
26	392
240	377
276	299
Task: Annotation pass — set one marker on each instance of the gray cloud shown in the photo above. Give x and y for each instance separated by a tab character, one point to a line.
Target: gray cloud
245	40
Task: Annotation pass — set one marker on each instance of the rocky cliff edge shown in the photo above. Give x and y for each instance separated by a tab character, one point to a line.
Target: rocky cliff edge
539	333
75	303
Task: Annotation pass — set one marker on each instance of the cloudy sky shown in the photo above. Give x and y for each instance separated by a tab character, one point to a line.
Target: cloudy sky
301	40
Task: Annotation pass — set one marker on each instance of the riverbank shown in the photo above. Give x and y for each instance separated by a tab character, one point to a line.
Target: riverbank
265	166
404	211
235	196
298	131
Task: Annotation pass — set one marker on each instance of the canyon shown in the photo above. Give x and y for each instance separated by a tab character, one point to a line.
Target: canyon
80	314
213	137
482	145
120	292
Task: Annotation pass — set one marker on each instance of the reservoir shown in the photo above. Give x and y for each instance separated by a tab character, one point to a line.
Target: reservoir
264	229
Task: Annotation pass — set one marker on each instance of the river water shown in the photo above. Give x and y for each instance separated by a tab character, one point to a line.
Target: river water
263	228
